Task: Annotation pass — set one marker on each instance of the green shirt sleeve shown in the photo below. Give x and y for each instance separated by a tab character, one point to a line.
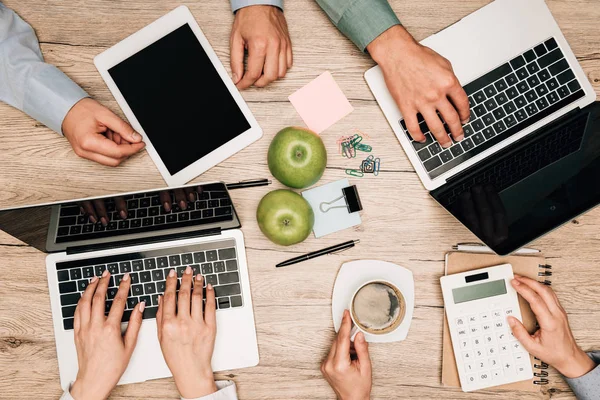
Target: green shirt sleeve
360	20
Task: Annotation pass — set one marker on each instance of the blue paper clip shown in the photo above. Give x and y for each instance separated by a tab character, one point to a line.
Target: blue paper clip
355	172
377	166
363	147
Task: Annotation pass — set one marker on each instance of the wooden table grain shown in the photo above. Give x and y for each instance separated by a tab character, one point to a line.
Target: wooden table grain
401	223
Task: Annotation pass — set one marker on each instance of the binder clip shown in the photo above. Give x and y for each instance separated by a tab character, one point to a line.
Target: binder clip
351	198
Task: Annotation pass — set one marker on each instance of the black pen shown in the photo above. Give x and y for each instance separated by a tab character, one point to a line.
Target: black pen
318	253
247	184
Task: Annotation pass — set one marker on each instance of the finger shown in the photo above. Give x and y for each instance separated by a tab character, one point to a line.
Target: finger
118	306
190	193
237	57
484	211
133	328
101	159
100	144
159	317
120	127
451	117
522	335
165	200
538	306
88	209
101	211
84	306
412	124
437	127
362	353
210	310
343	339
543	291
121	206
99	297
256	61
197	299
183	305
271	67
289	54
169	299
459	99
180	198
117	138
282	63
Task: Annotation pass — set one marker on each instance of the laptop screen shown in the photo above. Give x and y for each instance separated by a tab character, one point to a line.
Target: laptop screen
122	217
533	187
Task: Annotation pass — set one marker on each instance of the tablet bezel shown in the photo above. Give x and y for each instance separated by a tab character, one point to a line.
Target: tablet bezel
142	39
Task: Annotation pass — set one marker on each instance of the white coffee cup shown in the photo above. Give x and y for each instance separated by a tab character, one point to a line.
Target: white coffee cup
378	289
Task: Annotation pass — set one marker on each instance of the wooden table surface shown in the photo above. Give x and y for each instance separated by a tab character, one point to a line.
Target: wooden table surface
401	223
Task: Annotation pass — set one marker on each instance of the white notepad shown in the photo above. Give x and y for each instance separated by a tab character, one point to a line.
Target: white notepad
336	219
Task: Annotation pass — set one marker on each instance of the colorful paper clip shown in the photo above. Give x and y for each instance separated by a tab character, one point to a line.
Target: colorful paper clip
355	172
363	147
377	166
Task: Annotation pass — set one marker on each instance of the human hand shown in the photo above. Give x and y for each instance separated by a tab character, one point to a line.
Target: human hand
262	29
102	352
350	379
187	335
95	133
553	342
421	81
96	209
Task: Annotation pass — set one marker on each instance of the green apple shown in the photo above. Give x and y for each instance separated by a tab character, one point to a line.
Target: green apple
297	157
285	217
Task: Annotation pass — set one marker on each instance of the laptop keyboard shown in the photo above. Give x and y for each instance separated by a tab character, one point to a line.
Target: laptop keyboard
503	102
513	168
144	213
216	261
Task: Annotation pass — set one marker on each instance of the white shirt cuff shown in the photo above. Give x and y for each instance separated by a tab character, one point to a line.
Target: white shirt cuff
226	391
237	4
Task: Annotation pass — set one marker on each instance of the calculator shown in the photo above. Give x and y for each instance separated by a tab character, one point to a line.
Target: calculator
477	306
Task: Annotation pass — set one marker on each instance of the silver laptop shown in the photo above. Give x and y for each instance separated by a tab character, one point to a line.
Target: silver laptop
146	244
519	73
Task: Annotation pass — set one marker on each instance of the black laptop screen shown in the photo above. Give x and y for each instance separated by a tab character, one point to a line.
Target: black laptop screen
533	187
141	217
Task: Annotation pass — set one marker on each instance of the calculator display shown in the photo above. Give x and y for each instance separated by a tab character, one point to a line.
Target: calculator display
480	291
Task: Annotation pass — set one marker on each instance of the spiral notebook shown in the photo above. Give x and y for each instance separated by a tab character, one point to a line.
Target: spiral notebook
534	267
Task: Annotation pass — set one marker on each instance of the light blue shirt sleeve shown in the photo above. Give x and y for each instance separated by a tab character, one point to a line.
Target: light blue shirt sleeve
237	4
587	387
225	391
26	82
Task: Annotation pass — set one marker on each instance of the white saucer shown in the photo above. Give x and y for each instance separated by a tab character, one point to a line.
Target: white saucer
354	274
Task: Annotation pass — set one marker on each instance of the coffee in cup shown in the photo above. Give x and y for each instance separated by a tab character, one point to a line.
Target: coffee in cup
377	307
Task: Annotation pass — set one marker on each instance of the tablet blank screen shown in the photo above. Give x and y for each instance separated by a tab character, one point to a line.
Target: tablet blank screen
177	95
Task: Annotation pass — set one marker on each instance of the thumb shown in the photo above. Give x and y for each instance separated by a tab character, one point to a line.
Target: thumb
237	57
116	124
362	352
133	329
521	334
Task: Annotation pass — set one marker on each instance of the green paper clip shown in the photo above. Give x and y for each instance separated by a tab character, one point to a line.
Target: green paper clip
363	147
355	172
356	140
348	150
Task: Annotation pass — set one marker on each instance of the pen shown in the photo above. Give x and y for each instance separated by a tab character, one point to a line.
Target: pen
478	248
247	184
318	253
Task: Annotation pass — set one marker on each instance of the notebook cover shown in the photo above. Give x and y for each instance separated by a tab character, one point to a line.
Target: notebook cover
457	262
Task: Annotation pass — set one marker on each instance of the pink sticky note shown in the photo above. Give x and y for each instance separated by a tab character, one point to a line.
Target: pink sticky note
321	103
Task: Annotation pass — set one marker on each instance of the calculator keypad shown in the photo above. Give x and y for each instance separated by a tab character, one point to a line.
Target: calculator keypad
490	353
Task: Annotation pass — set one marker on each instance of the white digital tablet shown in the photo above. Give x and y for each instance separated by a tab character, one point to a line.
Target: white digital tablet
176	93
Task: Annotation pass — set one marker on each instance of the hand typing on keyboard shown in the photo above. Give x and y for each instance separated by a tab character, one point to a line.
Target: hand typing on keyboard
421	82
553	342
102	353
187	333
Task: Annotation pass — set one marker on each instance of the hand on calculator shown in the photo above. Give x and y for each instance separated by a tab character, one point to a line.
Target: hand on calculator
102	353
350	379
553	342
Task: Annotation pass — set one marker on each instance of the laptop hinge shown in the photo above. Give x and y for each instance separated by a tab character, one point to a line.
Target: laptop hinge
146	240
524	140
